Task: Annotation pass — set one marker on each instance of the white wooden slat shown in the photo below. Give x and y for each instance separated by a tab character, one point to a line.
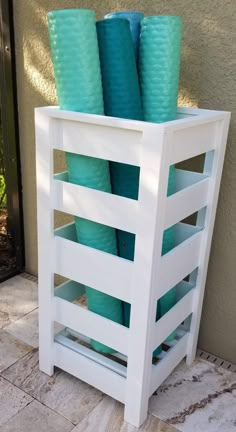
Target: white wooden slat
89	371
178	263
186	202
172	319
91	325
186	116
95	205
180	332
96	269
98	141
183	231
55	113
190	142
180	115
203	115
184	178
67	231
69	291
44	170
172	358
213	166
91	354
182	289
63	176
193	111
84	338
152	196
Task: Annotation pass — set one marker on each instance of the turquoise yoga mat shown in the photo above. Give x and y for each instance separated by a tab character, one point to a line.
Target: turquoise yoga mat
134	18
121	99
159	64
77	72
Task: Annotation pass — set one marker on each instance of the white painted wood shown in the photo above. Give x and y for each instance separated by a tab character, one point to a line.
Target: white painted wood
190	116
91	354
180	332
172	358
69	291
104	142
183	178
182	260
152	196
172	319
44	170
153	147
68	331
101	207
213	166
190	142
203	115
89	266
183	231
62	176
92	325
90	371
54	112
182	289
186	202
194	117
67	231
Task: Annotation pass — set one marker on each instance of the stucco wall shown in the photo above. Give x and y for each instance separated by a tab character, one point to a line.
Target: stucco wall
208	80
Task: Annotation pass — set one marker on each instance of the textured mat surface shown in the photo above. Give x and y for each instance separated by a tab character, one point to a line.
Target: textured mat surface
75	56
121	99
134	18
119	73
159	64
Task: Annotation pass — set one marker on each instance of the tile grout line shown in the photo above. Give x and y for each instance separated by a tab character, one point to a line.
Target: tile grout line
90	412
42	403
14	415
34	399
26	276
21	408
23	316
20	358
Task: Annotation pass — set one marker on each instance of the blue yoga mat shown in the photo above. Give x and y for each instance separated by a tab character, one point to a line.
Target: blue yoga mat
159	64
134	18
121	99
75	57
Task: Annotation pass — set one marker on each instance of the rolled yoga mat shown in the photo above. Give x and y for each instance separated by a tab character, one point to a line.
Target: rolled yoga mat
159	64
134	18
77	72
121	99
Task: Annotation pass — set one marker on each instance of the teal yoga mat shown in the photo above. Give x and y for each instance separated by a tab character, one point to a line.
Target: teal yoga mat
159	64
75	57
134	18
121	99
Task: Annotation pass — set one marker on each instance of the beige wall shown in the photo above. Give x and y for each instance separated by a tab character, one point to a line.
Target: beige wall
207	80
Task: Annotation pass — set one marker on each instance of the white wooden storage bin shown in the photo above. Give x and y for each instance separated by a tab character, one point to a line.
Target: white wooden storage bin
153	147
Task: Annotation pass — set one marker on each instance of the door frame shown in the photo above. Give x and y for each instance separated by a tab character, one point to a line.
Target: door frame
10	130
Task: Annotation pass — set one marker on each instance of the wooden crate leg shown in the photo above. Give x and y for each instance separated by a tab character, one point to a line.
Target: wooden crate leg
44	160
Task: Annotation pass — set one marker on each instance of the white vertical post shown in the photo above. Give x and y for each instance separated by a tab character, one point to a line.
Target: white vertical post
152	196
44	170
213	167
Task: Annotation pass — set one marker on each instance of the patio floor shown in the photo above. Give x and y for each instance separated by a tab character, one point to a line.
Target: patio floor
202	397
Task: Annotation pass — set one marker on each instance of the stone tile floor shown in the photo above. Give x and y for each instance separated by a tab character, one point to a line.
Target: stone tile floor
202	397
